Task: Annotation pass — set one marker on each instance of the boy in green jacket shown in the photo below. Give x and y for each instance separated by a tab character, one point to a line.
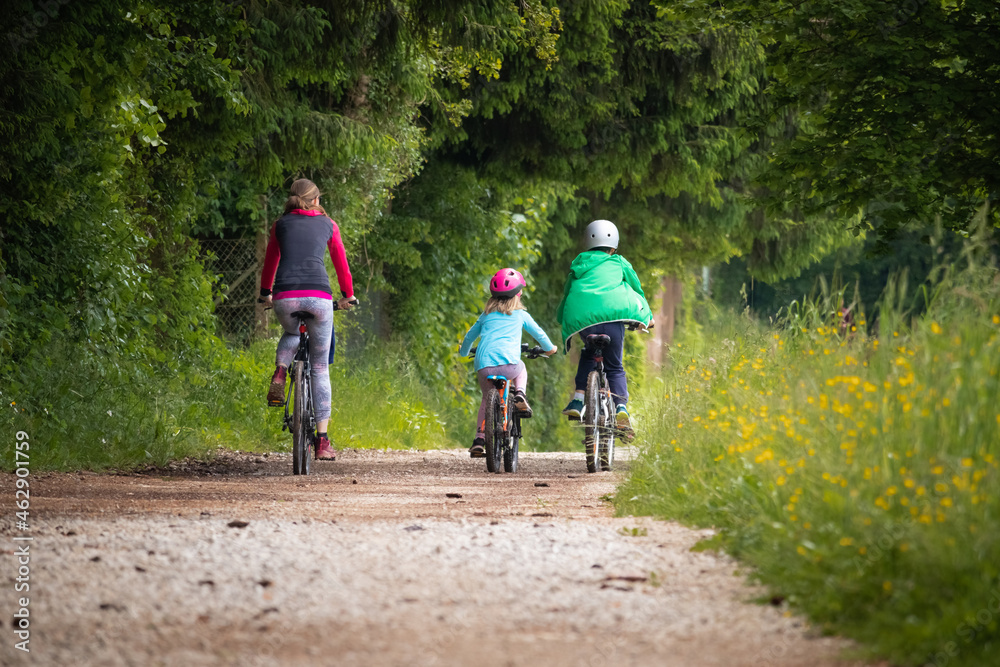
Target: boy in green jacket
602	295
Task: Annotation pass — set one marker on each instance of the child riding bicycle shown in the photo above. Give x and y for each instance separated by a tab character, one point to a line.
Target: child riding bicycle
499	351
602	295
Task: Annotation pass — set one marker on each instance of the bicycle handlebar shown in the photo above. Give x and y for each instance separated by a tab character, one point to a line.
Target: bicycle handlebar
532	352
355	303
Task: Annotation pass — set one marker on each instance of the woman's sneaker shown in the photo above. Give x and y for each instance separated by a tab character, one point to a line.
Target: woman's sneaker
574	409
623	422
324	451
276	394
521	403
478	449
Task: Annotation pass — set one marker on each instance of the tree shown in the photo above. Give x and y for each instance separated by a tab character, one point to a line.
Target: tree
897	108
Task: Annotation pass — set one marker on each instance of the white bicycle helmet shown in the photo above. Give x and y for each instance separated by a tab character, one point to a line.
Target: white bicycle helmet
601	234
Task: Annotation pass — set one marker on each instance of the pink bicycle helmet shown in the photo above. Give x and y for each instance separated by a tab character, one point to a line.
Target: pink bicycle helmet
506	283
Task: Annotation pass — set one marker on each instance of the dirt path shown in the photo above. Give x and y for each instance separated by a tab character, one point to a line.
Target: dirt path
382	558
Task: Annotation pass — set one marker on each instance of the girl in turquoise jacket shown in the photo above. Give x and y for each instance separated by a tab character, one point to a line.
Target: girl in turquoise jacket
499	352
602	295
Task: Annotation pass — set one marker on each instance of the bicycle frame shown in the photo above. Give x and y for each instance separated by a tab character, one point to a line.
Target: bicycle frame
303	432
500	382
605	388
510	425
301	354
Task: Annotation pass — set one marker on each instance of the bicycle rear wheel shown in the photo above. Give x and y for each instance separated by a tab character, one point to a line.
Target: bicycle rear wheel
510	451
592	419
301	438
606	452
495	435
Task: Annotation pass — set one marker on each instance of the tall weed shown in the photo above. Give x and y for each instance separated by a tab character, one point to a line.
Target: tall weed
857	473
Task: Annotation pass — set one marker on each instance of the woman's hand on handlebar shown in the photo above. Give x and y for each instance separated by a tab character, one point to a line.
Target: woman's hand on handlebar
347	303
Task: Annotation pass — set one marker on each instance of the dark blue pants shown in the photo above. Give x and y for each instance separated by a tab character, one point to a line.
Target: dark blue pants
613	367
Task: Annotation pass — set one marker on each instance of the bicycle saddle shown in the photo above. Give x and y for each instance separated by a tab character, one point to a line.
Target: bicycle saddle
303	315
598	341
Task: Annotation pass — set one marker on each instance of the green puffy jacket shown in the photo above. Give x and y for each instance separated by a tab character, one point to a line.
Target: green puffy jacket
601	288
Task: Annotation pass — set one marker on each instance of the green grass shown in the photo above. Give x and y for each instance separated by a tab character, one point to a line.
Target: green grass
857	475
97	412
378	402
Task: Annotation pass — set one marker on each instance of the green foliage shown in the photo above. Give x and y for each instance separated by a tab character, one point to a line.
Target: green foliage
862	267
857	475
85	407
447	234
891	101
81	411
128	127
378	402
449	138
636	119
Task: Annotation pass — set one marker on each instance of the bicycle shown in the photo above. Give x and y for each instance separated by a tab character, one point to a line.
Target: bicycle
302	420
598	410
503	422
599	419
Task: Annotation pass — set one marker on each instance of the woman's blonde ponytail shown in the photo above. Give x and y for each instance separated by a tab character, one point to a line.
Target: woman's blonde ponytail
302	194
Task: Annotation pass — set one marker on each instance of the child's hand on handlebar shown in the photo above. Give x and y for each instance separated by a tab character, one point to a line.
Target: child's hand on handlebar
554	349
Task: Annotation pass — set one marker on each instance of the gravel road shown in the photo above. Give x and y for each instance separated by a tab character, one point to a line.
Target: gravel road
380	558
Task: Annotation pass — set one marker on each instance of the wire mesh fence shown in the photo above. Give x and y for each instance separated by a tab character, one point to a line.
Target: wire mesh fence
236	263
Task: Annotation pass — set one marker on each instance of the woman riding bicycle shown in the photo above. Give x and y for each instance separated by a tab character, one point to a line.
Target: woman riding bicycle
294	268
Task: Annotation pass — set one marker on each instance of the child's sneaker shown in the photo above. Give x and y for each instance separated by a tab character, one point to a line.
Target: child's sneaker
324	451
623	422
574	409
478	449
276	394
521	403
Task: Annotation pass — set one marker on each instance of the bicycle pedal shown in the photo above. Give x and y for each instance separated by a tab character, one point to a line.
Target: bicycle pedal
275	405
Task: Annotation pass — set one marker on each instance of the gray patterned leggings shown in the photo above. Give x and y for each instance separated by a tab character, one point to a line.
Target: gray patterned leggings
320	334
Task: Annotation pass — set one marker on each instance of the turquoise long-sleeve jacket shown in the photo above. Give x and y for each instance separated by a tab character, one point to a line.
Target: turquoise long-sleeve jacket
501	338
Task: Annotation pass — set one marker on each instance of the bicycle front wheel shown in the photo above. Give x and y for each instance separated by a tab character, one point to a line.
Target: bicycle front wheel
592	419
301	438
495	434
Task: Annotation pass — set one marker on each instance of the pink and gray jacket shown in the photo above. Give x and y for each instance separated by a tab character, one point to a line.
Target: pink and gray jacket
293	262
